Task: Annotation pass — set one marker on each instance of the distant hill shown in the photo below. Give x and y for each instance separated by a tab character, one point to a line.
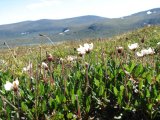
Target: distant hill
27	32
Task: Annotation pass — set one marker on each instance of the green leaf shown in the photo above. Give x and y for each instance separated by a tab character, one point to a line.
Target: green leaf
138	70
115	72
147	93
1	104
96	82
30	97
57	99
129	95
140	84
119	99
64	99
73	98
101	90
67	92
79	93
136	103
132	65
150	106
155	90
100	72
88	103
51	100
158	78
78	74
144	74
8	110
149	78
115	91
122	88
69	115
158	97
24	107
44	106
129	84
41	89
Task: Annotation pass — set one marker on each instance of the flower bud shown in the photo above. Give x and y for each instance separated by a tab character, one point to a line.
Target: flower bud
49	57
119	49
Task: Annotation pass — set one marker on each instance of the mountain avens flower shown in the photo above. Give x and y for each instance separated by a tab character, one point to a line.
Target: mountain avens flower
144	52
81	50
148	51
142	40
15	85
25	69
44	66
8	86
139	54
88	47
133	46
71	58
118	117
49	57
119	49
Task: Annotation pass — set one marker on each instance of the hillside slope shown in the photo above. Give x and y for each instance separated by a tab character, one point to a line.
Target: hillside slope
76	28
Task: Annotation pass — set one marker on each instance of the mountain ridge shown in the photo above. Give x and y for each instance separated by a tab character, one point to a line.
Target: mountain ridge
80	27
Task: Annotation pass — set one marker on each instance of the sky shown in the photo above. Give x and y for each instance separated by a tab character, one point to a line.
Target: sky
12	11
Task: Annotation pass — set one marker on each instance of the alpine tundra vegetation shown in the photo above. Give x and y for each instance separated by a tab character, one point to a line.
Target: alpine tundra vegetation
103	79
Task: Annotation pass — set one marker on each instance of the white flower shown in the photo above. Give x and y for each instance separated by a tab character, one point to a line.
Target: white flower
15	85
75	116
88	47
44	65
133	46
144	52
150	51
61	59
2	62
134	110
71	58
81	50
8	86
91	46
158	43
16	82
119	47
136	90
139	54
25	69
117	117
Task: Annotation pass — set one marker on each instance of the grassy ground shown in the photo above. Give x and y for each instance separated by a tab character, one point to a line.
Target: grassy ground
104	84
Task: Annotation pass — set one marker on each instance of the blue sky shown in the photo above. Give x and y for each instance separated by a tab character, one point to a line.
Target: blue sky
12	11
